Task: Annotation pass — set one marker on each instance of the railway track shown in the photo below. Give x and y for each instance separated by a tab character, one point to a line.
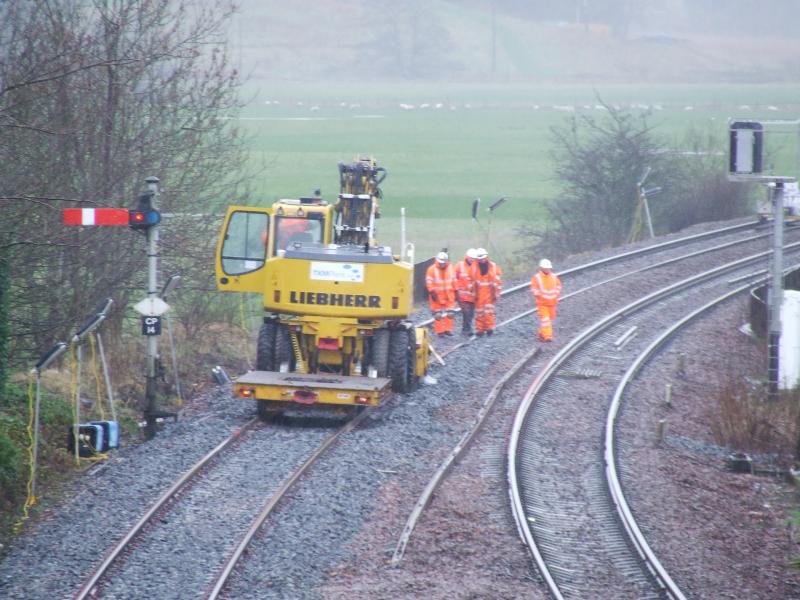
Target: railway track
226	571
91	586
192	504
638	542
676	252
409	441
565	491
230	564
610	448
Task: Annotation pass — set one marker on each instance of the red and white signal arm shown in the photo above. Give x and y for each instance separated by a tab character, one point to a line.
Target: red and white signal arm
95	216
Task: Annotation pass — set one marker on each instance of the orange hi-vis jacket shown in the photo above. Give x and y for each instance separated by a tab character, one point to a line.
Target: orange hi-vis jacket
487	287
289	226
546	288
465	291
441	282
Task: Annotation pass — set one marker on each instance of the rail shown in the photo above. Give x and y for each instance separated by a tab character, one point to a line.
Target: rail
513	470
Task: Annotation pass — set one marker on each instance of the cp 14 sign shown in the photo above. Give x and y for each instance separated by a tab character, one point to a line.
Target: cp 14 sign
151	325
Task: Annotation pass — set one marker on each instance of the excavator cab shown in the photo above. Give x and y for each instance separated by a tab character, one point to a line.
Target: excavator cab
252	236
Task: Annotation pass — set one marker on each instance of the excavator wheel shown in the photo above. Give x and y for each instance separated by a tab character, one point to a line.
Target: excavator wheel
379	358
399	359
413	380
265	350
283	348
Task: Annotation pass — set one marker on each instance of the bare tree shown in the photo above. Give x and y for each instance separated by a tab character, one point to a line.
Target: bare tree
94	97
406	40
598	164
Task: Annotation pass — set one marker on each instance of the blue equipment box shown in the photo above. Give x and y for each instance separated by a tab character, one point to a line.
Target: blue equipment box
111	433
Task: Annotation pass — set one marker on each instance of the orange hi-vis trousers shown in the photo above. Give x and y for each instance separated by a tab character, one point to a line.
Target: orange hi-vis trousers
442	316
547	314
484	317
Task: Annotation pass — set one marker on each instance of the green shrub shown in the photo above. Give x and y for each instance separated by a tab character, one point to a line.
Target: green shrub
53	461
11	467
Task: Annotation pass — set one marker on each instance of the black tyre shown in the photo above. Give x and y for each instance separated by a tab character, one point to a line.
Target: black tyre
284	352
380	351
265	350
398	360
413	380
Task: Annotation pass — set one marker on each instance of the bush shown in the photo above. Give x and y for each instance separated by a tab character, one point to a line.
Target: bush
53	462
11	466
747	421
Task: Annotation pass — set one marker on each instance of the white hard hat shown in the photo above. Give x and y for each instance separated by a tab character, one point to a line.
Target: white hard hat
472	253
481	253
442	257
545	264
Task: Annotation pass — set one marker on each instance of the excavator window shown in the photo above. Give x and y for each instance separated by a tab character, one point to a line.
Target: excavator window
289	230
243	248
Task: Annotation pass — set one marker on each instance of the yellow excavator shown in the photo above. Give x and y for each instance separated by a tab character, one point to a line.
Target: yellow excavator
336	328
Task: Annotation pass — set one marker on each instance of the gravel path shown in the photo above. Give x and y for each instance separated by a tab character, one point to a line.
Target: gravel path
336	534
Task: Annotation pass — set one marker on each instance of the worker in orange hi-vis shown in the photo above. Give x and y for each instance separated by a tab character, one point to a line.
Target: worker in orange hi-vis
546	288
486	277
465	291
289	228
440	280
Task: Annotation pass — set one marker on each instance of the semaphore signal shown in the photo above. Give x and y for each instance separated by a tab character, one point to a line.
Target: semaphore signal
92	217
144	217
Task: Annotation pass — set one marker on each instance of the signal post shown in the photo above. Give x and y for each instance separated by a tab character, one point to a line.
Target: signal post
145	217
748	145
154	308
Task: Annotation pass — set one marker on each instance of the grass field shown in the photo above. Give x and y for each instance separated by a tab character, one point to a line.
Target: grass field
445	145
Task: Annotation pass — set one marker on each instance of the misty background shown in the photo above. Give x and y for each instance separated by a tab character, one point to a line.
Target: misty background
573	41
